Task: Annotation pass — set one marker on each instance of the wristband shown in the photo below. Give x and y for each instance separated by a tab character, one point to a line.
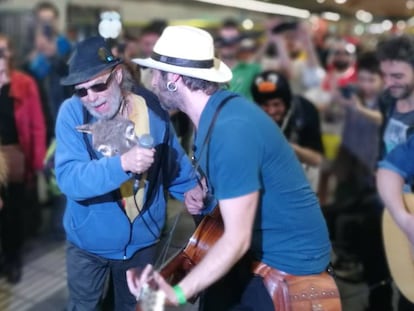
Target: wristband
179	293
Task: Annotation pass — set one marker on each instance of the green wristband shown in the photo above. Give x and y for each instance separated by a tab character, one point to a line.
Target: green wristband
179	293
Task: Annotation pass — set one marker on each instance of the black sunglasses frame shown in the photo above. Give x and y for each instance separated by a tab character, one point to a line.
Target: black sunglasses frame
97	88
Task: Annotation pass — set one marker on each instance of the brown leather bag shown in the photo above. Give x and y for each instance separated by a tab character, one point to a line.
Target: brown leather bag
299	293
15	160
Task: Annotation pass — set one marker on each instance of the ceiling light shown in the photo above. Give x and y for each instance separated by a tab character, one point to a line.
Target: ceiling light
386	25
320	1
340	1
359	29
331	16
364	16
260	6
375	28
410	21
401	24
248	24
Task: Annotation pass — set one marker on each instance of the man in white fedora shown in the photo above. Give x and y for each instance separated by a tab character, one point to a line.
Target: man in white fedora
273	224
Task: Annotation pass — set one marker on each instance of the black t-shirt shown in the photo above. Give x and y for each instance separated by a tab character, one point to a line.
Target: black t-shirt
303	127
8	130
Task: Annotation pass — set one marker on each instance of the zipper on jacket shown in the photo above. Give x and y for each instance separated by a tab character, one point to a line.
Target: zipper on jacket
130	238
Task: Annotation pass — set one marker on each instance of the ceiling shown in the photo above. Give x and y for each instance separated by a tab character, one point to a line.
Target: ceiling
394	9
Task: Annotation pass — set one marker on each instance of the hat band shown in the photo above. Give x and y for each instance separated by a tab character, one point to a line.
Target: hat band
182	62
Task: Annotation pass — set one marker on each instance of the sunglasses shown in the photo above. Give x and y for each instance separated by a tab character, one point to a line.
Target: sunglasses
97	88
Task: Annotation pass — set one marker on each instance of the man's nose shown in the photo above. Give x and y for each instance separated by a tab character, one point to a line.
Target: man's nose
91	95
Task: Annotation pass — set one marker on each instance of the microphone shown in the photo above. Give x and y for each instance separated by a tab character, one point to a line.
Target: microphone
145	141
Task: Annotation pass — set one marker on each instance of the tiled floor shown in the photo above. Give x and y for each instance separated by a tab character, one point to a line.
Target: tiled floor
43	287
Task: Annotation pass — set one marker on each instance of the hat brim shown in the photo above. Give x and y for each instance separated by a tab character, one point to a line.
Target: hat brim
89	73
219	73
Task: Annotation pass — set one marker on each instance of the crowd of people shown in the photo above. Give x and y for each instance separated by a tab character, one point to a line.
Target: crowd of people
301	147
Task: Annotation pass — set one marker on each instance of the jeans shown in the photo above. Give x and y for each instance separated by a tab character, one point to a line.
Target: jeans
238	290
87	276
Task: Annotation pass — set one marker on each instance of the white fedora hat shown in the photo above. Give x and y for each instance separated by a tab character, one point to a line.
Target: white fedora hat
188	51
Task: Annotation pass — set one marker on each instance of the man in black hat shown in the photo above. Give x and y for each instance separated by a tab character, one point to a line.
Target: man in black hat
111	224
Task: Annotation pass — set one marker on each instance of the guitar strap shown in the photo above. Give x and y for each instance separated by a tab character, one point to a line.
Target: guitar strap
206	141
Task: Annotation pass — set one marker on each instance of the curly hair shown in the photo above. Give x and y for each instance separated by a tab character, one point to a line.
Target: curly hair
396	48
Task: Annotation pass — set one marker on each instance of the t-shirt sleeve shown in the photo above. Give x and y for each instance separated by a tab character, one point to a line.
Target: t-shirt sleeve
401	160
234	159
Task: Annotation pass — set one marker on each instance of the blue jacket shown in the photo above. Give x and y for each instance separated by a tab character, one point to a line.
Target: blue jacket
94	220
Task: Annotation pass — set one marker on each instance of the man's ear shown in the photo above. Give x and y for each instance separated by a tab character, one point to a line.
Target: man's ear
118	74
175	77
84	128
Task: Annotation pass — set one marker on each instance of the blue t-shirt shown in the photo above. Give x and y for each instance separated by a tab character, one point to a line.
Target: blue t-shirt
247	152
400	160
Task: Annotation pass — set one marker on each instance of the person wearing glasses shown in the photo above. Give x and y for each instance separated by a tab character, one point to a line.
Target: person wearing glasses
110	225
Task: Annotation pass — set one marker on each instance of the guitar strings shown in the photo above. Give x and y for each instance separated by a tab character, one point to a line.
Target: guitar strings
163	252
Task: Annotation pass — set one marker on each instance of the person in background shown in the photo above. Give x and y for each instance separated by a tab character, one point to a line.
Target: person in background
360	254
251	170
296	116
147	38
23	133
46	63
295	57
396	104
128	47
228	44
355	166
114	224
341	72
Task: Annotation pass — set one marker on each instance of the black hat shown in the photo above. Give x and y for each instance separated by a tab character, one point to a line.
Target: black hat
91	57
270	85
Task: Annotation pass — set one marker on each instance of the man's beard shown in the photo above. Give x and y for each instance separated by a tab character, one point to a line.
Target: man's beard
168	100
404	91
112	112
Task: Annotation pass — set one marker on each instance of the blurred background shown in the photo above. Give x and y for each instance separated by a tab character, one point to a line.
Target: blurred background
335	34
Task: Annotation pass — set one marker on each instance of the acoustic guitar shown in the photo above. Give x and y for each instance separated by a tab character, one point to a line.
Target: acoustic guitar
206	234
399	251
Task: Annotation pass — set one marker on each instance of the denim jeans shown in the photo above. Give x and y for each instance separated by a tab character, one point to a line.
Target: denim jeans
87	276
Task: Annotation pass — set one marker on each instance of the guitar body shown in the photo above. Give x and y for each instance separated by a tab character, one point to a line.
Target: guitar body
399	252
206	234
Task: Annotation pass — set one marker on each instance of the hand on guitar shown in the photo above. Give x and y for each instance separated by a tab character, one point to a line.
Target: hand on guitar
194	198
150	277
